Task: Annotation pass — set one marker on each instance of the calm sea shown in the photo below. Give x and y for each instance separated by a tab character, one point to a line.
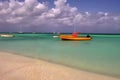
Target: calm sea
100	55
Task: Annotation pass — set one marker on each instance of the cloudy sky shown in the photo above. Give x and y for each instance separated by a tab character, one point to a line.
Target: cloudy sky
87	16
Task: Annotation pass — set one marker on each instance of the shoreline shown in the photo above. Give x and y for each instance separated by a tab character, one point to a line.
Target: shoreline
16	67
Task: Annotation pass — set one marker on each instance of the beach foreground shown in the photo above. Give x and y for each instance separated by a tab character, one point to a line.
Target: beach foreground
15	67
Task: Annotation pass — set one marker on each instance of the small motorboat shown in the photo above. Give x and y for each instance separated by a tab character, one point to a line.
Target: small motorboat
55	36
74	37
71	38
7	35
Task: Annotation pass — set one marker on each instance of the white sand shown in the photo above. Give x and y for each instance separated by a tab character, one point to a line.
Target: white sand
14	67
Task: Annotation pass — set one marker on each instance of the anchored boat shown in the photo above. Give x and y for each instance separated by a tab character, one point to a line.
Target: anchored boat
7	35
74	37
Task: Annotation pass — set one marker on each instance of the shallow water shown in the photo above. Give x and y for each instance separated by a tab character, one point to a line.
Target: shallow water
100	55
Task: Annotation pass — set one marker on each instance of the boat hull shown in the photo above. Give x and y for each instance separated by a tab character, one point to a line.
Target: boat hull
6	35
71	38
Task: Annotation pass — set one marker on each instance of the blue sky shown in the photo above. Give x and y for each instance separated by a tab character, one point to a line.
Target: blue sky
112	6
87	16
97	5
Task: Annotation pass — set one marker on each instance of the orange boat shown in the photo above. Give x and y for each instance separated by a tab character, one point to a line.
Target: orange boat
71	38
74	37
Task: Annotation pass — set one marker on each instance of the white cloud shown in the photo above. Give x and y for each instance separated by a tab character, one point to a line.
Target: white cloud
33	13
60	3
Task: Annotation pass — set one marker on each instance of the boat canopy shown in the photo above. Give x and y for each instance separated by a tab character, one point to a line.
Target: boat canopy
75	34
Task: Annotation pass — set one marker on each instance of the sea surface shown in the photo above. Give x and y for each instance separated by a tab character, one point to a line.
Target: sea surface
100	55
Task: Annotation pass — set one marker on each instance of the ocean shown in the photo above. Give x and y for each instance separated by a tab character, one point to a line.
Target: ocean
100	55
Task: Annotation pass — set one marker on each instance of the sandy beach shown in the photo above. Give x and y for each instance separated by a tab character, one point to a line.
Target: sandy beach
15	67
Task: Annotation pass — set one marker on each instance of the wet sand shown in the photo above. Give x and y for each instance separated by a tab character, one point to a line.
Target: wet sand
15	67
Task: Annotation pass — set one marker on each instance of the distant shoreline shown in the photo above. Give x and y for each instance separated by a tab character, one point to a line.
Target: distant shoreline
57	33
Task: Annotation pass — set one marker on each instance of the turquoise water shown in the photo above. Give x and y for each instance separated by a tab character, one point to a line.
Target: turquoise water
100	55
